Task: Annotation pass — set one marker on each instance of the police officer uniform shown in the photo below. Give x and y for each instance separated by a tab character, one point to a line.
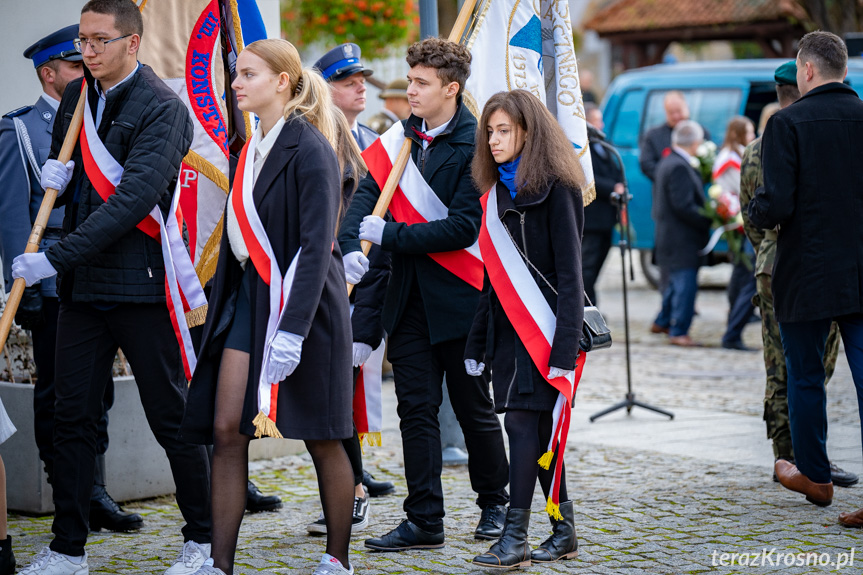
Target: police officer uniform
339	63
25	142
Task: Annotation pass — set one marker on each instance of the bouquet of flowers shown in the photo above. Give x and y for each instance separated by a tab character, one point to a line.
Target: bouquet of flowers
706	157
723	209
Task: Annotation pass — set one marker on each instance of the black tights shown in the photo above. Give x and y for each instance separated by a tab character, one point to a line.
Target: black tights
528	433
231	464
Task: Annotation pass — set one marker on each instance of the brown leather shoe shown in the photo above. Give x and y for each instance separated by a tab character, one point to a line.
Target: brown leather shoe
789	476
656	328
853	519
683	341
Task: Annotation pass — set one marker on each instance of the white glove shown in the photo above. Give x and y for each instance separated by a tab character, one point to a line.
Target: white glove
356	266
284	356
56	175
473	368
556	372
32	267
372	229
362	351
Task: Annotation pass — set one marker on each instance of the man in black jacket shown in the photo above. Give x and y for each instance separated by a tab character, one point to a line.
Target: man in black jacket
428	309
812	192
601	215
112	281
656	142
681	231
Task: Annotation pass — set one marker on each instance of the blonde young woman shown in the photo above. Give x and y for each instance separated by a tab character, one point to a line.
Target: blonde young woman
278	246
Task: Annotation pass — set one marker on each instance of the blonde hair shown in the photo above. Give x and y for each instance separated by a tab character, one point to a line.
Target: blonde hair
348	151
311	95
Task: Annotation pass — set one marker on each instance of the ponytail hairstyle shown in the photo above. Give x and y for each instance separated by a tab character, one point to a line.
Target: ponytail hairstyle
351	161
547	156
311	98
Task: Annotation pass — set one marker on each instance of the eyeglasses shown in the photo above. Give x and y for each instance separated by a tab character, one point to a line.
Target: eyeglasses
96	44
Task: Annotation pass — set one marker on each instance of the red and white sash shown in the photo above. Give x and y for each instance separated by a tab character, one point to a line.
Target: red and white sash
368	403
534	323
183	290
415	202
264	259
726	159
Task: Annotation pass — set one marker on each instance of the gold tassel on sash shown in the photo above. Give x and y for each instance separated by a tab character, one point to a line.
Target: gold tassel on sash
553	510
545	460
197	316
265	427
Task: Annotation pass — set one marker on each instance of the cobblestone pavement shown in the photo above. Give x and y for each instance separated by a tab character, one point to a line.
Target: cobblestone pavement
637	512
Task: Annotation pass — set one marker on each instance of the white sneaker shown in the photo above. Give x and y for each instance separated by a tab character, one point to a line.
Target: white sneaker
329	565
49	562
208	569
191	559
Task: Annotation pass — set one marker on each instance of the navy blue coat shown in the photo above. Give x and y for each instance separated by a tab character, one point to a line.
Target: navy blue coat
20	191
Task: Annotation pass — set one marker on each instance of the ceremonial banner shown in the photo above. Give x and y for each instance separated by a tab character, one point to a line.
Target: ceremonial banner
518	44
193	46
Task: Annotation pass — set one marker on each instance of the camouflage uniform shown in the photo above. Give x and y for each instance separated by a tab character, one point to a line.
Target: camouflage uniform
380	122
764	242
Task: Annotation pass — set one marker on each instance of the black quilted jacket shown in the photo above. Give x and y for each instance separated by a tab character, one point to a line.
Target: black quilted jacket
103	257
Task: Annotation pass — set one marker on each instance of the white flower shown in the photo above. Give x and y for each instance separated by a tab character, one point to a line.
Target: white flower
714	191
694	163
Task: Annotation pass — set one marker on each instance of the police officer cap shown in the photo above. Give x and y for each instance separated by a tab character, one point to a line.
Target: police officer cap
786	74
55	46
341	62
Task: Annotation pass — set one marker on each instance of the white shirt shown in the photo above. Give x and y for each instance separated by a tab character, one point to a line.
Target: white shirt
683	153
435	132
51	101
100	104
262	150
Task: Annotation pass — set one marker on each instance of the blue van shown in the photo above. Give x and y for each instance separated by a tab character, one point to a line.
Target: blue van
715	91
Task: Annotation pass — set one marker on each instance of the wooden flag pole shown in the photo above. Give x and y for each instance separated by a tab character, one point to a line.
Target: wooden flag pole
41	221
404	155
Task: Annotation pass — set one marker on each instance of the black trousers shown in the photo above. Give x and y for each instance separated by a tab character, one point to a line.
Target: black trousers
87	340
594	250
418	369
44	343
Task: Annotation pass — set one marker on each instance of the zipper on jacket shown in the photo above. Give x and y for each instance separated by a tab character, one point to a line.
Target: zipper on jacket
523	235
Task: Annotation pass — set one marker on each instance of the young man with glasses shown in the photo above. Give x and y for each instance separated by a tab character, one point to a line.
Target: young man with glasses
112	279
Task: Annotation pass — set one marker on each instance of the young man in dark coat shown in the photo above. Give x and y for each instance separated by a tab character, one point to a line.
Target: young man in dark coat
681	231
112	282
428	310
812	193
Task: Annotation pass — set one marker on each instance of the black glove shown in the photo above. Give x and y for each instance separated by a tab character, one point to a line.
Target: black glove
29	314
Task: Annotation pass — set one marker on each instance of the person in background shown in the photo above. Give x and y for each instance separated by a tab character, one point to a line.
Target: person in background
25	141
7	558
656	143
776	408
601	215
396	107
681	232
587	93
342	69
741	287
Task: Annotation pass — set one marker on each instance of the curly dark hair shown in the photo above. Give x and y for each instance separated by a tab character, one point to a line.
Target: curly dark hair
547	156
451	60
127	15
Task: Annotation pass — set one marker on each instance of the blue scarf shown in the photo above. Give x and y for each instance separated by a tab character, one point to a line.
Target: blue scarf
507	175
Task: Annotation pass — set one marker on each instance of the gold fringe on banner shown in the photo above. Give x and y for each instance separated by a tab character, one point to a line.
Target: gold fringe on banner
197	316
197	162
206	266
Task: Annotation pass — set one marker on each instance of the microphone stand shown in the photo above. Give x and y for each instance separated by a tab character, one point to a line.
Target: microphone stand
625	244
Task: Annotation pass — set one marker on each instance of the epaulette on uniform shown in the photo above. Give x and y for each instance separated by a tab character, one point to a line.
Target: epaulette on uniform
20	111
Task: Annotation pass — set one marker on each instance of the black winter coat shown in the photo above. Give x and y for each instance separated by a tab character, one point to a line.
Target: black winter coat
812	190
681	229
297	196
547	228
601	216
449	302
103	256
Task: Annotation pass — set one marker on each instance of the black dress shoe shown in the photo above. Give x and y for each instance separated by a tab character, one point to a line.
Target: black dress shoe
491	522
841	477
257	501
406	536
105	513
377	488
736	345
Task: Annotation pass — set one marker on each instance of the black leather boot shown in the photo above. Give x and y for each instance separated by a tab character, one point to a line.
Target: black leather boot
7	558
563	544
105	513
511	550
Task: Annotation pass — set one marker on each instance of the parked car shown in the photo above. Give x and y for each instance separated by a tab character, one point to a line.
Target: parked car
715	91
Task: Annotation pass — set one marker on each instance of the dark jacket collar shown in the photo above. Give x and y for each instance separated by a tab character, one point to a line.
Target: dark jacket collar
459	131
285	146
837	87
520	203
